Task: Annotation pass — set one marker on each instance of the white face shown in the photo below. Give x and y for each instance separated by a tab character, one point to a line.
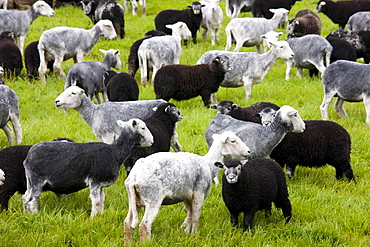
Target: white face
138	125
70	98
107	29
283	50
233	147
289	114
43	9
232	174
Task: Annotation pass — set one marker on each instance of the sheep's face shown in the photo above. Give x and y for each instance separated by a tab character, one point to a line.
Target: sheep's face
291	118
233	169
180	30
107	29
43	8
174	113
232	147
225	107
267	115
70	98
138	126
196	7
282	49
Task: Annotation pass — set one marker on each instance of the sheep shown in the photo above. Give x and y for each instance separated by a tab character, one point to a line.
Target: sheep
32	60
234	7
342	50
253	186
64	43
4	3
260	139
247	31
340	11
102	118
90	75
305	22
359	21
347	81
182	82
191	17
250	68
122	87
169	178
2	177
162	124
2	82
310	51
10	55
322	142
133	59
18	22
212	17
106	9
153	54
67	167
262	8
135	7
268	38
10	112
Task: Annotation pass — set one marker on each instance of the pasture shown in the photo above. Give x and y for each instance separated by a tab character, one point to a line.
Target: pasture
326	212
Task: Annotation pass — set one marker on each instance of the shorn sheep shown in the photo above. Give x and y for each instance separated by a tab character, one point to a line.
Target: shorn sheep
64	43
18	22
10	55
170	178
253	186
182	82
67	167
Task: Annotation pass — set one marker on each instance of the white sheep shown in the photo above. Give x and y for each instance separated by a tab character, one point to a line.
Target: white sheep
212	17
169	178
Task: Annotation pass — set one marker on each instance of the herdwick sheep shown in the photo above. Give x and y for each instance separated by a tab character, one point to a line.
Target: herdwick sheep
249	68
359	21
135	7
247	31
253	186
310	51
2	177
322	142
64	43
347	81
67	167
102	118
169	178
260	139
262	8
234	7
32	60
305	22
182	82
121	87
340	11
90	75
162	124
18	22
191	17
2	82
4	3
268	38
212	17
10	55
10	112
153	54
342	50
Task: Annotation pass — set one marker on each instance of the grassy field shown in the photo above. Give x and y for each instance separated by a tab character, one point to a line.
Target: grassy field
326	212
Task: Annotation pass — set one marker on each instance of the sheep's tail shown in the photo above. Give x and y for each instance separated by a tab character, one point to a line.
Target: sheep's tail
143	63
229	39
133	211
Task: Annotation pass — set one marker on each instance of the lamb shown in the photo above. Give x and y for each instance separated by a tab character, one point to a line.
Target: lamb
32	60
10	112
169	178
253	186
260	139
234	7
102	118
191	17
48	167
90	75
340	11
122	87
162	124
359	21
10	55
2	177
64	43
212	17
154	55
135	7
305	22
182	82
247	31
347	81
249	68
18	22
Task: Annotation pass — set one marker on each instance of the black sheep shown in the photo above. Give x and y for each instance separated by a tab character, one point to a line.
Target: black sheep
261	8
182	82
342	50
253	186
10	55
32	60
122	87
305	22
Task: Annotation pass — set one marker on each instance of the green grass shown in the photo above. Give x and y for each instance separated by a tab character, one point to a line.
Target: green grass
326	212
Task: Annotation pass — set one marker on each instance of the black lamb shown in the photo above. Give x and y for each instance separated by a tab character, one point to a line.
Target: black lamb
305	22
253	186
10	55
32	60
122	87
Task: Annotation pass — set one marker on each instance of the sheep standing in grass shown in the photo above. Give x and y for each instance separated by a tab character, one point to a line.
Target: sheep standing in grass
305	22
121	87
10	55
234	7
2	177
253	186
67	167
135	7
167	178
90	75
212	17
359	21
32	60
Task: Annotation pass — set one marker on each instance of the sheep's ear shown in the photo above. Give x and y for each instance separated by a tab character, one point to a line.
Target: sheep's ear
272	10
244	162
169	26
116	52
234	107
82	91
154	108
103	51
219	165
263	36
214	107
272	44
296	22
217	59
168	109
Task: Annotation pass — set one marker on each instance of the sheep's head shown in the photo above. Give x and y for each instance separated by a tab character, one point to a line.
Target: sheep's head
136	125
180	30
70	98
107	29
225	107
291	119
233	169
113	56
196	7
282	50
232	147
42	8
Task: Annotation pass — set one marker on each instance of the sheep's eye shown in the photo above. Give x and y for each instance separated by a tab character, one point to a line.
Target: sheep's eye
233	141
273	115
73	93
295	115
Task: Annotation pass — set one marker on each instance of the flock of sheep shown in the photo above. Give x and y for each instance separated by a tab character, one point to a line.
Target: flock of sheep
139	134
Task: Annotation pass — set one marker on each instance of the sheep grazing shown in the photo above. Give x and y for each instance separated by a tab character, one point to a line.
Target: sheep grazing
359	21
249	68
162	125
169	178
106	10
153	54
122	87
9	111
310	51
102	118
135	7
191	17
234	7
253	186
86	165
182	82
2	177
260	139
64	43
18	22
347	81
212	17
32	60
90	75
10	55
262	8
247	31
340	11
305	22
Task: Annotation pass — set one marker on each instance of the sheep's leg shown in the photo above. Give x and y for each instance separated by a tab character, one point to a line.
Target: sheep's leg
289	66
196	208
366	99
213	97
290	170
125	5
204	34
187	222
21	44
8	133
258	48
134	7
97	199
248	89
338	106
174	141
206	97
78	58
143	6
217	35
105	95
145	226
248	221
299	72
213	38
324	107
58	66
229	41
43	66
30	198
234	219
98	99
17	127
238	45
